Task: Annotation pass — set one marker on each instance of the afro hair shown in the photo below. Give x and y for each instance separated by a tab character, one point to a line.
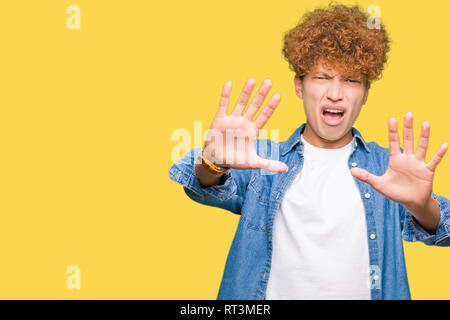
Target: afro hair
340	37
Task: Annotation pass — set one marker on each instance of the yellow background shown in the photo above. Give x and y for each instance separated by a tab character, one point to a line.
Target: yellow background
85	135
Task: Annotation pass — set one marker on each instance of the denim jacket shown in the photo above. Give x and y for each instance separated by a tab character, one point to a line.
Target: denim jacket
256	194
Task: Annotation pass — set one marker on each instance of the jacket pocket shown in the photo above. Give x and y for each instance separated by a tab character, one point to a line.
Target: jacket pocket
257	204
262	192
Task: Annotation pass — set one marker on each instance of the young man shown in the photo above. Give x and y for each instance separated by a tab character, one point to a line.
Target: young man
329	222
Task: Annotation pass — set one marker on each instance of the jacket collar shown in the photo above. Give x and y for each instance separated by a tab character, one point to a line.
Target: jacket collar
290	143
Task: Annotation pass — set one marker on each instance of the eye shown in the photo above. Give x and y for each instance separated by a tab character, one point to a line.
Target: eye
351	80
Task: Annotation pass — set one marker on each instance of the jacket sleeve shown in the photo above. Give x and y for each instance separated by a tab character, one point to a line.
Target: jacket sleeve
229	195
413	231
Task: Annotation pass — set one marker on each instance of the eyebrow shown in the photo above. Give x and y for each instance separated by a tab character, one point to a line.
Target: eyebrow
323	73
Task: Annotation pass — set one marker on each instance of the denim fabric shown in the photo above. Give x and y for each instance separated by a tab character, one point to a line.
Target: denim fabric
256	194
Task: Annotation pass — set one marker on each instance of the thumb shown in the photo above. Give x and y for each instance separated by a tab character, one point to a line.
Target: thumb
272	165
366	176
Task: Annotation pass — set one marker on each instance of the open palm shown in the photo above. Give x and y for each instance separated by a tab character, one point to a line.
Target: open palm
408	179
230	141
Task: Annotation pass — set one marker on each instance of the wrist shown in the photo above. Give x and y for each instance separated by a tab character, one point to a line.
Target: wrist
211	166
420	206
427	215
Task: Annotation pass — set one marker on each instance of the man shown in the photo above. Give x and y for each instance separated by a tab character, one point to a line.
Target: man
329	222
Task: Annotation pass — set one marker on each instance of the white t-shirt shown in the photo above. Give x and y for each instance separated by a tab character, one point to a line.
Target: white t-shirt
320	247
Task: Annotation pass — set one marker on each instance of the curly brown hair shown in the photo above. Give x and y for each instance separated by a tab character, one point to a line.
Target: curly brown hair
338	36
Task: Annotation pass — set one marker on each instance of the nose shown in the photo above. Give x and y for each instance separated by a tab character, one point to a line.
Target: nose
335	91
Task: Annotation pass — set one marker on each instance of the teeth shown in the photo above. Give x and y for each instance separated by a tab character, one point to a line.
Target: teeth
334	111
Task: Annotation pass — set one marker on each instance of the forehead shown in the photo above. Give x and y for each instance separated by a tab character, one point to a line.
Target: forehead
331	69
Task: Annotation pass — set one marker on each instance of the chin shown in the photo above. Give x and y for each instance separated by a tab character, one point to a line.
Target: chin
332	133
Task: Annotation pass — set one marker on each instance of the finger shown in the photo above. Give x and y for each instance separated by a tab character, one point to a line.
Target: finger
243	98
367	177
422	146
265	114
272	165
224	99
437	157
258	100
394	140
408	134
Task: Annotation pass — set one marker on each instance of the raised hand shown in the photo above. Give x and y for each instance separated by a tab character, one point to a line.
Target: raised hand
230	141
408	179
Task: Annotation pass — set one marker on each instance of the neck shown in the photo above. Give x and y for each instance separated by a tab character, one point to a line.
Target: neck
312	138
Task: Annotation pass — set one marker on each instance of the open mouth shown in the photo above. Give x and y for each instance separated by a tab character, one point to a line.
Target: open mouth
333	116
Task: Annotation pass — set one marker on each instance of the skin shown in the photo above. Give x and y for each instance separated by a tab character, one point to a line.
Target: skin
408	179
225	127
241	125
323	86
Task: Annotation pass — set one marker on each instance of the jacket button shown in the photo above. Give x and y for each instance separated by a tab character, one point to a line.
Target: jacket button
367	195
354	164
372	236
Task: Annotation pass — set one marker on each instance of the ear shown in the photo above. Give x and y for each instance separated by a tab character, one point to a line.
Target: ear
366	94
298	86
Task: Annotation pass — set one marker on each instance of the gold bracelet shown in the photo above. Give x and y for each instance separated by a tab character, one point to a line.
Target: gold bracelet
211	165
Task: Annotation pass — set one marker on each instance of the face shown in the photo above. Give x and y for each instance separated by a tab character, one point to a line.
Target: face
332	103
